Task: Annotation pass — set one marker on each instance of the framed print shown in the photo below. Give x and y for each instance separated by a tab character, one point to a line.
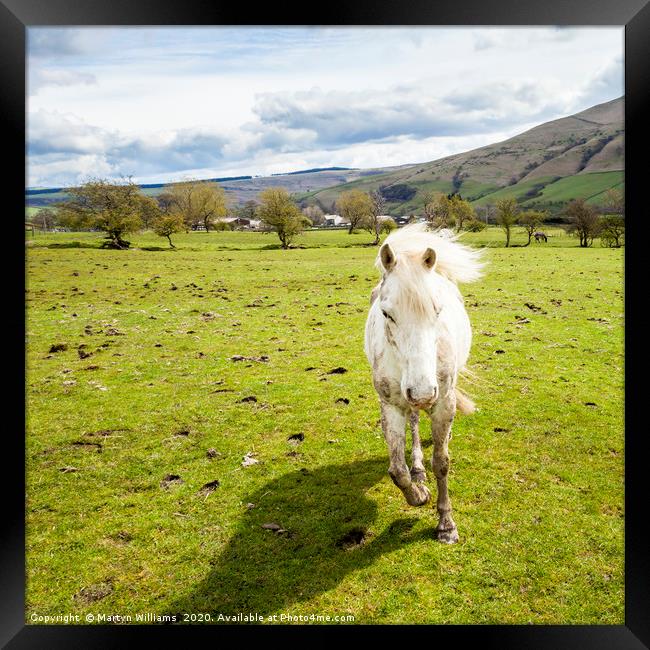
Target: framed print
328	321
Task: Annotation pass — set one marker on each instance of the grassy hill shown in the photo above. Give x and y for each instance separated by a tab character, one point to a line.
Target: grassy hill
580	156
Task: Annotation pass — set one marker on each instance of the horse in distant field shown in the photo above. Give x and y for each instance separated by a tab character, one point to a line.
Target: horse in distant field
417	340
540	236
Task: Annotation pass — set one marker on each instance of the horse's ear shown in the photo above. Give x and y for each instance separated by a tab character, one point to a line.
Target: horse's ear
387	257
429	258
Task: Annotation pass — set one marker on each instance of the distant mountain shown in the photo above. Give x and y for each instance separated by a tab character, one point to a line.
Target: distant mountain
580	156
239	188
315	169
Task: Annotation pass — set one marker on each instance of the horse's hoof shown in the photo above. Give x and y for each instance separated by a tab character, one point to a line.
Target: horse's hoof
418	475
419	495
448	536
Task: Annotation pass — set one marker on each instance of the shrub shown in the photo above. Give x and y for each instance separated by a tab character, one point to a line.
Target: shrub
475	225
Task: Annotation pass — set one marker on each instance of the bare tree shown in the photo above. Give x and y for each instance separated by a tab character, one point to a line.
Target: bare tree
378	206
247	210
314	214
429	200
485	213
614	202
45	218
166	202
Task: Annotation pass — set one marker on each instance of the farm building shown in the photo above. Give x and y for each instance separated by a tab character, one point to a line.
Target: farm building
243	223
335	220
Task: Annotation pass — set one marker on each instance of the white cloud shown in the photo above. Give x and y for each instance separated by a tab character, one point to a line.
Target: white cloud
608	82
160	103
60	77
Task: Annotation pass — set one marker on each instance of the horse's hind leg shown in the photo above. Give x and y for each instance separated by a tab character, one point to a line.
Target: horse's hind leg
418	473
393	422
442	417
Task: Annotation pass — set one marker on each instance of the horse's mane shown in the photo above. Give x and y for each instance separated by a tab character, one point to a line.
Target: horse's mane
455	261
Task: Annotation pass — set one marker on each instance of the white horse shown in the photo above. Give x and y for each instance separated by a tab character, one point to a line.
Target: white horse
418	338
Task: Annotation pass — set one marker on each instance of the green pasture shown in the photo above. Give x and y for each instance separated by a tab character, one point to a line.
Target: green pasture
517	191
145	389
587	186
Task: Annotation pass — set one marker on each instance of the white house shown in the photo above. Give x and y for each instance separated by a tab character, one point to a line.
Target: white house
335	220
239	222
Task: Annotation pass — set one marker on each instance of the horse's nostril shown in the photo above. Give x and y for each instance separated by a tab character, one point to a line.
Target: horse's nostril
414	397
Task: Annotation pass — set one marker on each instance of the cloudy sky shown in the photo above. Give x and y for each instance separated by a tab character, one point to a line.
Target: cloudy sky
162	104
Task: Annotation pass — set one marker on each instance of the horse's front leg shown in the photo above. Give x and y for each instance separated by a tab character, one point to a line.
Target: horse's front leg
393	422
442	417
418	473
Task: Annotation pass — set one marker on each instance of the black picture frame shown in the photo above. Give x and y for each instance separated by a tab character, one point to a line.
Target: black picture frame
634	15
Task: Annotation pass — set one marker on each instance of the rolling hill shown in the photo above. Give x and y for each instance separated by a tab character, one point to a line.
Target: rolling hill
580	156
240	189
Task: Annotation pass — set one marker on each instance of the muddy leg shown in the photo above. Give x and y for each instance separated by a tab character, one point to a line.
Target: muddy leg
418	473
442	417
393	422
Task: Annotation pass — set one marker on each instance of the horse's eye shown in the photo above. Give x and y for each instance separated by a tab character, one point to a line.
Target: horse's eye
388	316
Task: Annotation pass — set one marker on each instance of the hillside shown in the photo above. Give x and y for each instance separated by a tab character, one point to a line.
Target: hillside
580	156
239	189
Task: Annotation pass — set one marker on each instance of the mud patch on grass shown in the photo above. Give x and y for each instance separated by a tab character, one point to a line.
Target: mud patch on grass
261	359
88	446
121	538
93	593
103	433
354	538
170	480
209	488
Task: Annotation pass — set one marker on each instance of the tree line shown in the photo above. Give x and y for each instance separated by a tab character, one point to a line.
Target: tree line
120	208
584	220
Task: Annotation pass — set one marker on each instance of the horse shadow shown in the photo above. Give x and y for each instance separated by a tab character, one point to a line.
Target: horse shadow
325	519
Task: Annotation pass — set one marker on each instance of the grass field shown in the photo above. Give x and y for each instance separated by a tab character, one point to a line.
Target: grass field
586	186
517	191
536	475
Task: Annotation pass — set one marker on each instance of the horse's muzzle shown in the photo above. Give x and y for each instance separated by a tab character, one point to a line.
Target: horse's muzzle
422	399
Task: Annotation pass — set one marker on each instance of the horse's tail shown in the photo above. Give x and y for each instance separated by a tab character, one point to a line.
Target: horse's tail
464	404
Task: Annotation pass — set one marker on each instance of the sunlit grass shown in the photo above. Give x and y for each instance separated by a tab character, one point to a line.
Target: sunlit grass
536	475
